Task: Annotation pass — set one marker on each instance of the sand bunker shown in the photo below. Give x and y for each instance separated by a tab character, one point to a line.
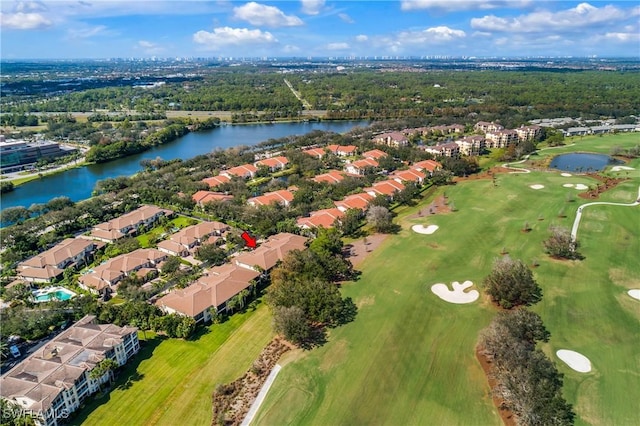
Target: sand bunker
536	186
620	168
422	230
579	186
457	295
575	360
566	174
635	293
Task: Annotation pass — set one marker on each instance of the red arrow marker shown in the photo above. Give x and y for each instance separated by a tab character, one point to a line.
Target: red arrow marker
251	242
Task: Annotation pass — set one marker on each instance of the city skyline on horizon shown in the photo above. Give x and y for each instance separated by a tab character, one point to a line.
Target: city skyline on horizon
319	29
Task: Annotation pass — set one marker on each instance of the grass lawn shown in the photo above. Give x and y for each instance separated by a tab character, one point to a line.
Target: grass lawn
408	358
177	222
170	381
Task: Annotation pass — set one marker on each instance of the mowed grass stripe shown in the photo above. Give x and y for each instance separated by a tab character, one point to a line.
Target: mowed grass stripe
177	379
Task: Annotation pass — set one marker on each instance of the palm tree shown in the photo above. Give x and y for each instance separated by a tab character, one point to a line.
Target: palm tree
105	366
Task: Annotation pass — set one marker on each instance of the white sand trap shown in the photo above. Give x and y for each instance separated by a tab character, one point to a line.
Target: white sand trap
422	230
635	293
575	360
579	186
566	174
620	168
536	186
457	295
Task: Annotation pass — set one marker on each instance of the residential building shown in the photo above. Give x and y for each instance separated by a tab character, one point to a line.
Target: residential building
449	149
359	167
529	133
375	154
483	126
332	176
358	201
316	152
246	171
209	293
128	224
395	139
216	181
273	163
203	197
282	196
50	264
501	138
105	277
321	218
265	257
343	150
387	188
471	145
185	241
429	166
410	175
55	379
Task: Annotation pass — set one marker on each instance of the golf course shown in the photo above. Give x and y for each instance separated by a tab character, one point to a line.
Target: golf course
409	357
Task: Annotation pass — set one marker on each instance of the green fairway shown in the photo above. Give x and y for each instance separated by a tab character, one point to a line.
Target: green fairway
170	382
409	357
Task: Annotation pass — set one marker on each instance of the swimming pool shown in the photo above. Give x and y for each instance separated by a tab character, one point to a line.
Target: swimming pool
52	293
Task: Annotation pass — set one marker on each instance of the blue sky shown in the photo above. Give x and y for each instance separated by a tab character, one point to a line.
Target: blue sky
318	28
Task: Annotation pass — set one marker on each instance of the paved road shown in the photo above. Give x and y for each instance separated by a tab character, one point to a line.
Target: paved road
261	395
576	222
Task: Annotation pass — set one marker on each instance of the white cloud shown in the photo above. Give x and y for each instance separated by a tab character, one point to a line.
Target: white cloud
227	36
289	48
312	7
620	37
362	37
270	16
87	32
149	48
433	35
23	21
337	46
582	16
457	5
346	18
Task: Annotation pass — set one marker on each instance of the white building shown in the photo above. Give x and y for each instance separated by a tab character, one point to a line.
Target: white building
53	381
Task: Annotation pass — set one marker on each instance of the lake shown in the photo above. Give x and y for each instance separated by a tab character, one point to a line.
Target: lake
78	184
581	162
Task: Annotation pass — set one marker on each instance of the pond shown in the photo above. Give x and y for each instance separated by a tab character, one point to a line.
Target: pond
582	162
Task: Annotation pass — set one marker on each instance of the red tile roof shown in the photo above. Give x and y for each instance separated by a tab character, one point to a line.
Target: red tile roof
315	152
429	165
273	162
282	196
356	201
216	180
332	176
245	170
202	197
375	154
321	218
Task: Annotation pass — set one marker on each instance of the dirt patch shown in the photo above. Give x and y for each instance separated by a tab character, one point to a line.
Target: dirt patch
487	174
232	401
358	250
439	205
606	183
505	414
